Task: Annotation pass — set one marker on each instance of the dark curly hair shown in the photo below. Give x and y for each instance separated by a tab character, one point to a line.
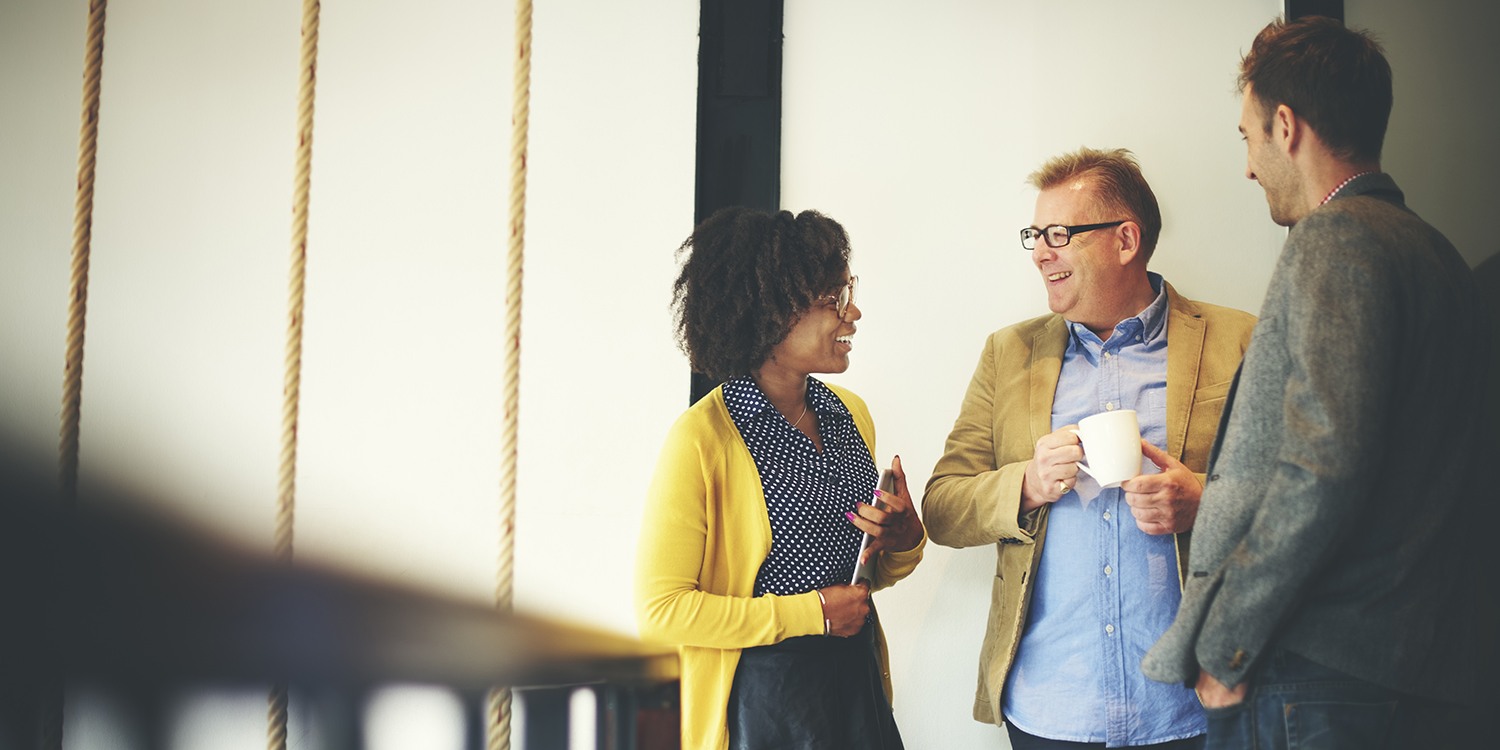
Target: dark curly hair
748	277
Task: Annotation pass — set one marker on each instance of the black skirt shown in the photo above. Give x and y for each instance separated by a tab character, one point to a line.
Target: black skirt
812	692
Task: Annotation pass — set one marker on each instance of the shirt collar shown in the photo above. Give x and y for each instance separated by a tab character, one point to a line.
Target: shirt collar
749	401
744	398
821	400
1336	190
1148	324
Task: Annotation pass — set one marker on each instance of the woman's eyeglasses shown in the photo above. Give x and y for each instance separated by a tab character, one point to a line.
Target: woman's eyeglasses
844	296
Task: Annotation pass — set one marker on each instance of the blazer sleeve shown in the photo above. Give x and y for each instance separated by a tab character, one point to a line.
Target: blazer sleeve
675	600
972	499
1337	329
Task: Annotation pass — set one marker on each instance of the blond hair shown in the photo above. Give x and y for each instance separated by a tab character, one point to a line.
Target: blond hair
1116	179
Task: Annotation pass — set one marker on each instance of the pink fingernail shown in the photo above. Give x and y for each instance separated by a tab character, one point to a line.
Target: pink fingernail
849	516
878	493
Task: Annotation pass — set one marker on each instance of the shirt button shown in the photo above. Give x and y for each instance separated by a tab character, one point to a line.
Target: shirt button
1106	355
1108	570
1109	406
1109	628
1214	478
1106	515
1137	338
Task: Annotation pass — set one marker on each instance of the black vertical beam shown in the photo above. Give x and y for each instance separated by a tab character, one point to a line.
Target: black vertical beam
616	707
739	113
1298	8
146	715
336	715
658	715
25	721
474	702
547	718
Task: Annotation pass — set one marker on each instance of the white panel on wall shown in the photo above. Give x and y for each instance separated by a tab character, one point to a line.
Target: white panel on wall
41	77
398	469
186	288
611	197
398	464
414	717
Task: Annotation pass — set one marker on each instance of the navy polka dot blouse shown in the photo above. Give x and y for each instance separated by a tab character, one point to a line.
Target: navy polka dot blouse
807	493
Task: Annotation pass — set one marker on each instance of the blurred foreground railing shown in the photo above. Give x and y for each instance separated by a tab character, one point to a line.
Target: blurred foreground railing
144	610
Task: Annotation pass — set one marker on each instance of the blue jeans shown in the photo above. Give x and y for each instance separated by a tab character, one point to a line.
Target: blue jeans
1296	704
1020	740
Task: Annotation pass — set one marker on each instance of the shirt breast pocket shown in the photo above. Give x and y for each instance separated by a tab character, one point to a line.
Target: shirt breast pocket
1156	405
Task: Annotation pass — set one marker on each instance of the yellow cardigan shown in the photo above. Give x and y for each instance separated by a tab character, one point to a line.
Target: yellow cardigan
704	535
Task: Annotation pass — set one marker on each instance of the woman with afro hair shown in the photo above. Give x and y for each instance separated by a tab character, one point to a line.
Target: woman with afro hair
761	496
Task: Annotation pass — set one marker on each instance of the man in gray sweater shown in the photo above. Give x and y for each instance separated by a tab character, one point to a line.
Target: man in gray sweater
1327	590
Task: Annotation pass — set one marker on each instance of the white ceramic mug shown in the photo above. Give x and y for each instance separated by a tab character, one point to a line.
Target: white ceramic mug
1112	444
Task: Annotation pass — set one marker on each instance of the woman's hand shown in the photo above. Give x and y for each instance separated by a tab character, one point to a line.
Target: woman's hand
897	528
845	608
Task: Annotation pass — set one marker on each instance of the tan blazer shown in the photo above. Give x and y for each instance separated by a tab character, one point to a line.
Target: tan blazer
974	495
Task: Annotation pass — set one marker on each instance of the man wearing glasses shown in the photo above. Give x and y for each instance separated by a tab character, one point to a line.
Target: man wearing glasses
1070	619
1330	586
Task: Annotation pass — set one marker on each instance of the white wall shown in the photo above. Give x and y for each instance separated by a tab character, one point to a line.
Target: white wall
913	127
398	464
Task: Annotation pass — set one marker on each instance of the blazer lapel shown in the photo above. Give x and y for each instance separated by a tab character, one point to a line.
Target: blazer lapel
1047	349
1185	333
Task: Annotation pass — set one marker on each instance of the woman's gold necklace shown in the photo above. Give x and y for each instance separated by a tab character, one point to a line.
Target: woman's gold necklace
800	416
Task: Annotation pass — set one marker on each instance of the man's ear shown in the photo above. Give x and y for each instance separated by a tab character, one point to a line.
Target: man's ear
1130	242
1286	129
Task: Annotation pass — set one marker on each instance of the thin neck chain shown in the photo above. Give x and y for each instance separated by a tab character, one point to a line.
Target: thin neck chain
1336	190
800	416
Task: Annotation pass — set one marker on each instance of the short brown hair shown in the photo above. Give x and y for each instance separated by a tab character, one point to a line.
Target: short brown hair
748	277
1116	179
1337	79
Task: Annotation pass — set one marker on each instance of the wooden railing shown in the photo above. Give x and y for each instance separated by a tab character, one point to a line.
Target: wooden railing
145	609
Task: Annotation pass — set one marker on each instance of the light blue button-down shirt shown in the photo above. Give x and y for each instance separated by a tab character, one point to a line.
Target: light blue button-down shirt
1105	590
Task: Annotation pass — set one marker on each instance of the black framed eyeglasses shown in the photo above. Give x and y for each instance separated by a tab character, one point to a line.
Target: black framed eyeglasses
1057	235
844	297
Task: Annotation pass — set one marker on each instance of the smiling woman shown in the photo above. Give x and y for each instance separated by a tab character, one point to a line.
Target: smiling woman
754	517
747	279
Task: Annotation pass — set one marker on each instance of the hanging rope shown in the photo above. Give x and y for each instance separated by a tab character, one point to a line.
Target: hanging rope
291	389
83	233
499	712
51	719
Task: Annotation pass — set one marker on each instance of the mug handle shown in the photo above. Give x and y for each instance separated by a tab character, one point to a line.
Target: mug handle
1081	466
